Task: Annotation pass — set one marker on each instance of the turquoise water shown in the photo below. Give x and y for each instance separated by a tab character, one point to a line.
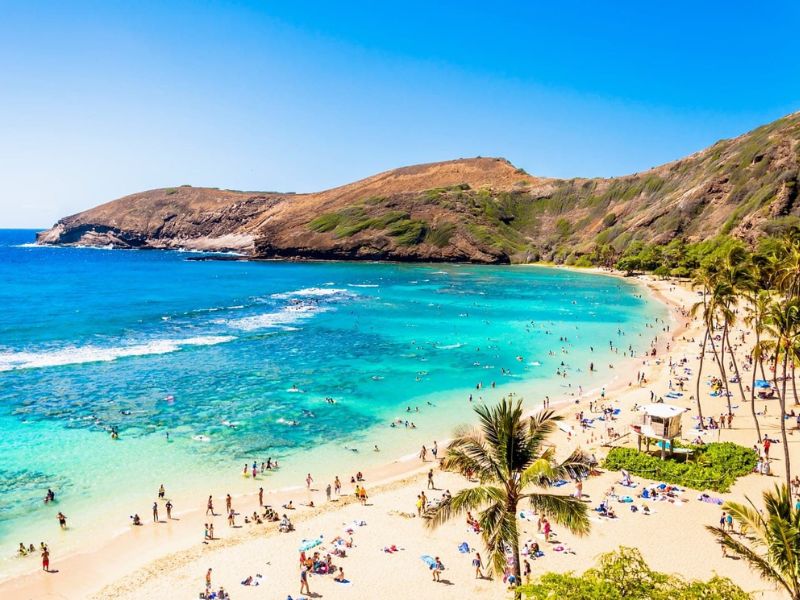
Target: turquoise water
235	359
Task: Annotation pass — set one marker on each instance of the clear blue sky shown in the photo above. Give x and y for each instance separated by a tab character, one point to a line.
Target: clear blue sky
102	99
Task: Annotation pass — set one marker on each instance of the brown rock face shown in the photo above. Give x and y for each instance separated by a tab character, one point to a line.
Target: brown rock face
469	210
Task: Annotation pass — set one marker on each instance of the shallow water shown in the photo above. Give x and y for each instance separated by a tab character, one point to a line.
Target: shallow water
234	361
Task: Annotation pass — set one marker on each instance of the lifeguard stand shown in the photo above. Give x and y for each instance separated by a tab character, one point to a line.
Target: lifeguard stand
660	422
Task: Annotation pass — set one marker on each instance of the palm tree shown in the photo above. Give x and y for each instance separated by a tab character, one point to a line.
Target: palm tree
738	273
774	535
787	268
783	325
508	456
758	304
702	279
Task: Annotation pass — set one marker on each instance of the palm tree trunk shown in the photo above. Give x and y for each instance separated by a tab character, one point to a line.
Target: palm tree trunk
699	373
794	385
721	366
741	387
784	441
753	397
515	569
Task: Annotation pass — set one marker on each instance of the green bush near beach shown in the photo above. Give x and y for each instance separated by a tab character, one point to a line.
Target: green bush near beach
625	575
714	466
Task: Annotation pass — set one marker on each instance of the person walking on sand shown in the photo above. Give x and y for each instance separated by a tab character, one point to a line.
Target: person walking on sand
45	560
228	502
337	486
168	506
435	449
430	480
478	564
155	512
208	580
438	567
309	481
423	453
210	506
261	496
328	492
304	580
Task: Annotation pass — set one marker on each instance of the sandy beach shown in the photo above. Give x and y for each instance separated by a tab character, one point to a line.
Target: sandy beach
171	559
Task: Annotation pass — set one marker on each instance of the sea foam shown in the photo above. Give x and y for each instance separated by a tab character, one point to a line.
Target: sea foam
312	292
73	355
281	319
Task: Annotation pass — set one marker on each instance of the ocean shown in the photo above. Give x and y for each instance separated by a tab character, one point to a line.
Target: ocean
203	366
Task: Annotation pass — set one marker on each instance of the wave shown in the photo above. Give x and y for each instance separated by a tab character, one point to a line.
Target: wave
312	292
451	346
74	355
363	285
78	246
281	319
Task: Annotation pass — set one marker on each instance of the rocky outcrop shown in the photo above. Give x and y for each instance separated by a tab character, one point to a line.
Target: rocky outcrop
481	210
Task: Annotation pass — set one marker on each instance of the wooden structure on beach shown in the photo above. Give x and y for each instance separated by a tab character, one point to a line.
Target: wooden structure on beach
661	422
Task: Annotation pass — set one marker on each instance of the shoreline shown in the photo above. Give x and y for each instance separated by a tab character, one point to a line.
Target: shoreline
145	546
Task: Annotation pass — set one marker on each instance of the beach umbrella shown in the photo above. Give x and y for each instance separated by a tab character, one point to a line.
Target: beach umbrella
762	383
306	545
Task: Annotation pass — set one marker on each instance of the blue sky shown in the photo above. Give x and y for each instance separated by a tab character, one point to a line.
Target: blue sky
102	99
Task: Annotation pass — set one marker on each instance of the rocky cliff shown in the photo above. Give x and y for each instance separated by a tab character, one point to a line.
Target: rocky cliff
470	210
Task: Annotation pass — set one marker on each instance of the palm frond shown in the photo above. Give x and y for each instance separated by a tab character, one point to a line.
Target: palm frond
473	498
566	511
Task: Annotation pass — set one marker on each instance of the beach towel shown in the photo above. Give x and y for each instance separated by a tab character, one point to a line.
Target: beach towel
306	545
626	499
710	500
559	483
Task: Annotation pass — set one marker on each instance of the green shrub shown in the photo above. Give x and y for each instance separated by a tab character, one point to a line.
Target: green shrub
440	235
715	466
408	232
326	222
563	228
624	575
